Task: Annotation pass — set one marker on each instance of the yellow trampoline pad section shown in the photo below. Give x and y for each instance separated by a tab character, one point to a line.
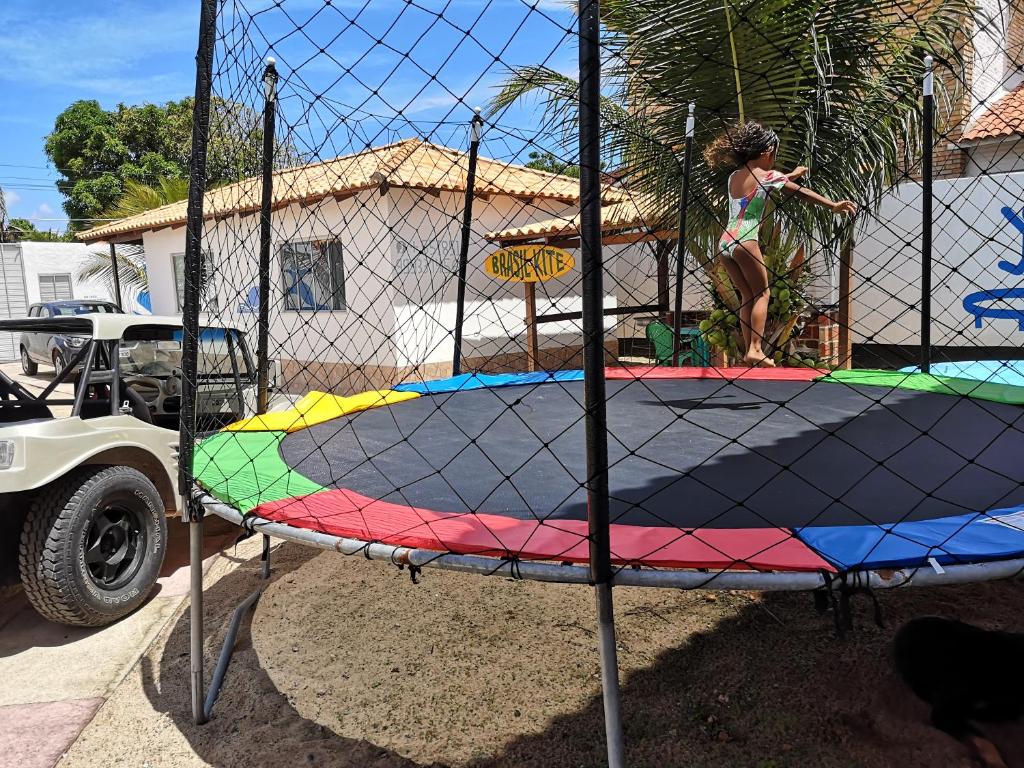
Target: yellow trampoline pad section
318	407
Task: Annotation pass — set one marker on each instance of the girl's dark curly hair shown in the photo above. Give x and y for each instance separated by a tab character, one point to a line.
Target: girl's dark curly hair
739	145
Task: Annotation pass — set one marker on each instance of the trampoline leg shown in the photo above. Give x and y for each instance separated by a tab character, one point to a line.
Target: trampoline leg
195	557
265	558
228	648
609	675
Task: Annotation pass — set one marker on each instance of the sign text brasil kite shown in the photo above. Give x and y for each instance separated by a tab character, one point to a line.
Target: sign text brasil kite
529	263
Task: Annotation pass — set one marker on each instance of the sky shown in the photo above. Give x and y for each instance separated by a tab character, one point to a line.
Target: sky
382	70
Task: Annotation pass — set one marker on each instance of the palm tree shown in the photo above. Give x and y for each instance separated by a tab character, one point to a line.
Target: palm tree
131	269
131	261
139	198
839	81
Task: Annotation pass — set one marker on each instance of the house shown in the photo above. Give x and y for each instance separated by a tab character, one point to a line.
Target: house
364	264
31	272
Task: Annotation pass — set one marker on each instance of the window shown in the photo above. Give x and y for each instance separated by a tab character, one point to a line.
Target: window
207	295
83	308
33	311
55	288
314	276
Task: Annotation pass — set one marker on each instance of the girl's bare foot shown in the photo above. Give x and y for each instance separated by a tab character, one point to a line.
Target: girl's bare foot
758	360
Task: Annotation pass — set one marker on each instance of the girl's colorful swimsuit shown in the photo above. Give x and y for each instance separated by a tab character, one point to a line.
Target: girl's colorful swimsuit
745	213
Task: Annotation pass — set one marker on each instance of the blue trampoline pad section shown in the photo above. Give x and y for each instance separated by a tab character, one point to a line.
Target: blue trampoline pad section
971	538
993	371
468	381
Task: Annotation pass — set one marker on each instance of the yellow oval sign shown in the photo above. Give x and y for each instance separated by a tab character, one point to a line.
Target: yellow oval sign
529	263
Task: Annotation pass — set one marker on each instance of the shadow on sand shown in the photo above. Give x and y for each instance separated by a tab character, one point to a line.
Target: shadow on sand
765	684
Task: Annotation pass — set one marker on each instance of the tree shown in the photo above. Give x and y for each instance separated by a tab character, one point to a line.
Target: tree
138	198
547	161
131	269
839	82
23	229
100	152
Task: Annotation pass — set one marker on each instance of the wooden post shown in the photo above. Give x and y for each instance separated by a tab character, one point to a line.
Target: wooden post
845	303
661	254
532	348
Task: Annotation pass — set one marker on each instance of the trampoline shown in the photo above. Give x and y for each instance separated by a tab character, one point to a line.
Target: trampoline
719	476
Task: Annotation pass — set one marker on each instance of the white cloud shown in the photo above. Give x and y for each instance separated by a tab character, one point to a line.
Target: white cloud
93	52
11	197
42	211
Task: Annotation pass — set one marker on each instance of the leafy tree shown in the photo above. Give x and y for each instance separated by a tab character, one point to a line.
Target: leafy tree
23	229
547	161
100	152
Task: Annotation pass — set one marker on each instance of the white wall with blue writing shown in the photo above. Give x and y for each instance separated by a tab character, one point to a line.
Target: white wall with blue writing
978	265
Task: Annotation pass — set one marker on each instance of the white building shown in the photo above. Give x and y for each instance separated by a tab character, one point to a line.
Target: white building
32	272
364	258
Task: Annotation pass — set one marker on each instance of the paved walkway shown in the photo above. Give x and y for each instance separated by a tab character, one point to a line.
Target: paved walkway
53	678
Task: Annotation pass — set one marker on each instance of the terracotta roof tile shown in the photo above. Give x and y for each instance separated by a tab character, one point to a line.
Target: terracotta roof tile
1004	118
634	213
411	163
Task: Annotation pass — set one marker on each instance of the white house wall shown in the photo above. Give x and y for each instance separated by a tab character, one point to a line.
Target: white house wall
427	235
159	245
61	259
976	249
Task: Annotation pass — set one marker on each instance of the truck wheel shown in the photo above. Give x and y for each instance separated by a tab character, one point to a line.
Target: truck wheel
27	364
59	363
92	545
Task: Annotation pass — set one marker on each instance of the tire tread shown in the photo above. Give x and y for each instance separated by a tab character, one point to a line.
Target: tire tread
45	572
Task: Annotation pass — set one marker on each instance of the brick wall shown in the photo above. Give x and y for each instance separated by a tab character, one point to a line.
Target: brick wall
820	336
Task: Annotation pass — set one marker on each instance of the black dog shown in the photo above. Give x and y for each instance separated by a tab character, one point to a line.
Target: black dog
965	674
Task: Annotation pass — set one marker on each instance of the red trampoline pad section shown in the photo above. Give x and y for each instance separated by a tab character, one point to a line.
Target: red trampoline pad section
726	374
342	513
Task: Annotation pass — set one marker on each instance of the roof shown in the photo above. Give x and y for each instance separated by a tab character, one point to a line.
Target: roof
412	164
1004	118
634	213
99	325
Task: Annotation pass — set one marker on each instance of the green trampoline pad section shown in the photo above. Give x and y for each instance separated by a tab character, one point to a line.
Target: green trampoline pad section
926	382
245	469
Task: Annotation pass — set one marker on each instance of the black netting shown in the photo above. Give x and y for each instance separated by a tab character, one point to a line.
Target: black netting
820	386
776	421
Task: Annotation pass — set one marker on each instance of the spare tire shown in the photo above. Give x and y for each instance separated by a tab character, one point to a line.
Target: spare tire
92	545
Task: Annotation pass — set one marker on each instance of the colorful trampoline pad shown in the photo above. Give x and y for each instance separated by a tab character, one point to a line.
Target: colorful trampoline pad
318	407
397	501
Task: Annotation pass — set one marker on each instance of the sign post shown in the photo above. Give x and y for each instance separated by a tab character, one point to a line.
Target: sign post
529	264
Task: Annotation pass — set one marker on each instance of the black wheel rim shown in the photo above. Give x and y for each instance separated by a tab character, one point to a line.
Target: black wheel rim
115	545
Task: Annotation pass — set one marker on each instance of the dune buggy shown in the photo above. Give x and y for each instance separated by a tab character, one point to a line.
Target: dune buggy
87	481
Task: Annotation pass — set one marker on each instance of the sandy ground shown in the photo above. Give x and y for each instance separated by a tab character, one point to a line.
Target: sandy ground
346	663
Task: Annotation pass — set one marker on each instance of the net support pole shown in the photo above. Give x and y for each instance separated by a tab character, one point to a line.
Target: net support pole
195	614
192	513
927	129
532	344
593	367
115	276
467	223
266	203
684	203
846	301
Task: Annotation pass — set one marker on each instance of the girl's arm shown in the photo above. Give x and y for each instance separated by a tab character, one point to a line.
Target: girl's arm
846	207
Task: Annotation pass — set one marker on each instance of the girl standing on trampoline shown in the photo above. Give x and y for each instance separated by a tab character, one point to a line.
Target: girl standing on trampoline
749	151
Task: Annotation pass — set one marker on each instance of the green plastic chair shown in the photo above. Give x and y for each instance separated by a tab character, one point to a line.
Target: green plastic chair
693	348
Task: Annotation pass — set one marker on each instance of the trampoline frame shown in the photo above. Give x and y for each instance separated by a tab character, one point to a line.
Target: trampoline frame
629	576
